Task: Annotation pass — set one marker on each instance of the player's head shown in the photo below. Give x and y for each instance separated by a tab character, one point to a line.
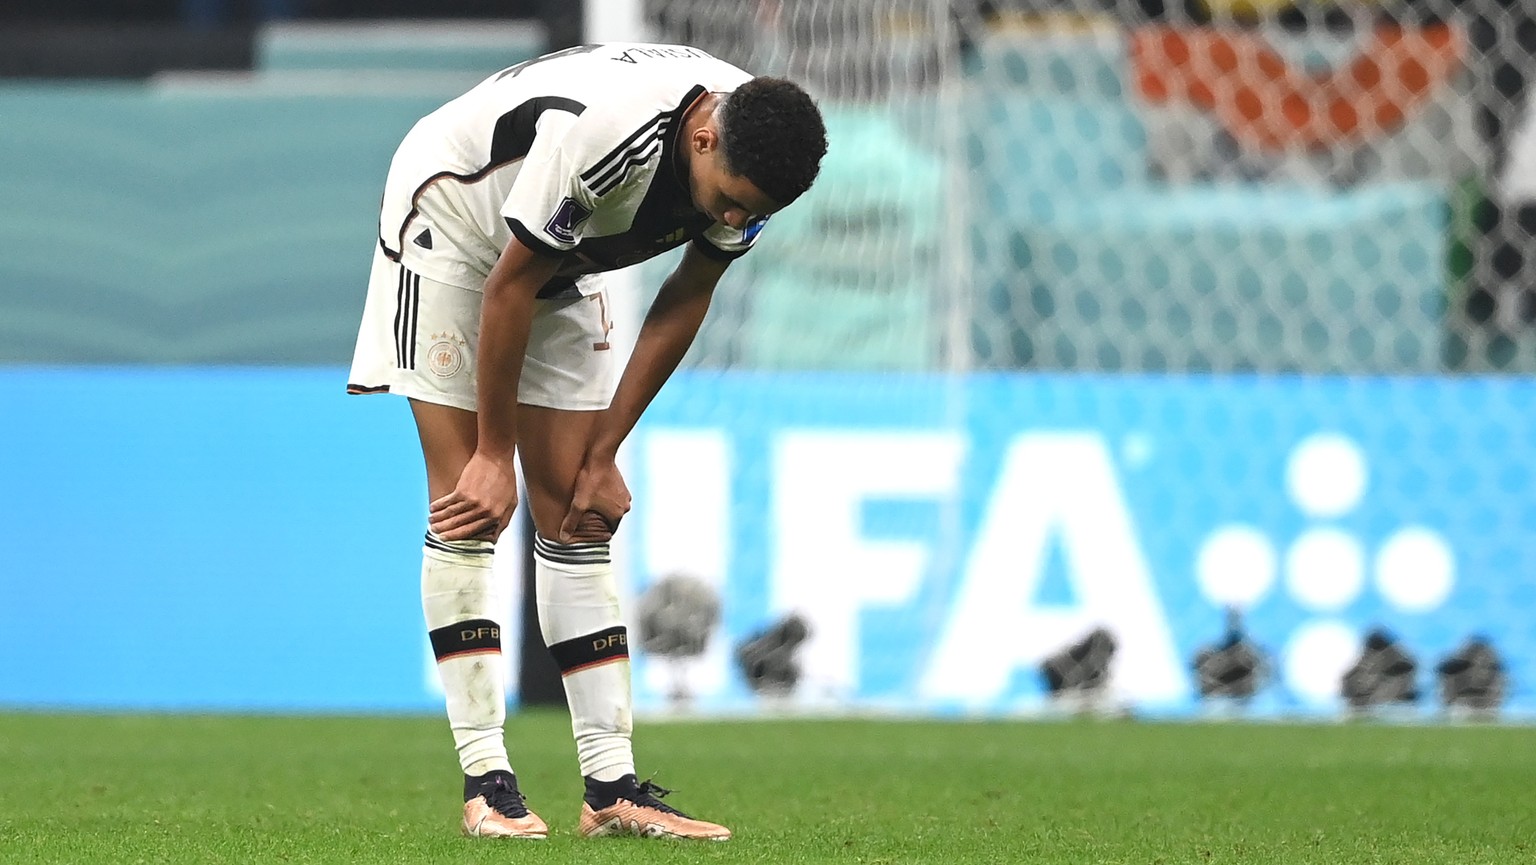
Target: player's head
762	149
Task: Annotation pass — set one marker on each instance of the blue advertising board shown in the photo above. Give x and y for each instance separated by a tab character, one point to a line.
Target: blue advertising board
207	539
249	539
941	536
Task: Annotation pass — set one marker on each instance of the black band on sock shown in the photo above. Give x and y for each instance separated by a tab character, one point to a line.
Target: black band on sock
469	637
593	553
591	650
467	548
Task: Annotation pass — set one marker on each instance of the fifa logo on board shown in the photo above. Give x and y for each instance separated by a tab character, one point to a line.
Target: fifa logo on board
1326	567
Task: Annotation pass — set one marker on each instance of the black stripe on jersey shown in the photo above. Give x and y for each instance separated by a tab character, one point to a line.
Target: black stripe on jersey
639	135
415	317
615	175
511	139
635	150
513	136
645	131
531	240
636	139
400	318
407	300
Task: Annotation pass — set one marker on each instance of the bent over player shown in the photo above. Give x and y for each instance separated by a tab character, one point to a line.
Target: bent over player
486	309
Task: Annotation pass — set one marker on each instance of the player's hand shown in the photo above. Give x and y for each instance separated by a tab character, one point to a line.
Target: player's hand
598	502
480	506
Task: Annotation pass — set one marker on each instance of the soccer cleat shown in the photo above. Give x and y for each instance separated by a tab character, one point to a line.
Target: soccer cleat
494	808
624	807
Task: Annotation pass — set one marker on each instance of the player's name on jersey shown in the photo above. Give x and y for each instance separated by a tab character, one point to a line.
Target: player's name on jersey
635	55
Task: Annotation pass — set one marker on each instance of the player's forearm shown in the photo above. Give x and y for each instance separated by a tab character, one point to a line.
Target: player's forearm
668	331
505	317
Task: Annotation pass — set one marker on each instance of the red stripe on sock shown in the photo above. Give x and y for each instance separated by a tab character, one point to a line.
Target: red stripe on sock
467	652
597	663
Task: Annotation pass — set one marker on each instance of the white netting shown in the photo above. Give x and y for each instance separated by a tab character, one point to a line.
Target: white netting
1117	185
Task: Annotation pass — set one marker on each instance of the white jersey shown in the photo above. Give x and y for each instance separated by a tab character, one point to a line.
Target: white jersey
574	153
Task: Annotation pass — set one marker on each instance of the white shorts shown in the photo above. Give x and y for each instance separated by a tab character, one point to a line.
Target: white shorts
418	339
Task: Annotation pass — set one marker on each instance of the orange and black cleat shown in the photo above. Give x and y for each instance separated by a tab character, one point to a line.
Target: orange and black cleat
494	808
624	807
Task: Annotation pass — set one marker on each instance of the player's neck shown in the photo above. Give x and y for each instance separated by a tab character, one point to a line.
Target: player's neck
695	117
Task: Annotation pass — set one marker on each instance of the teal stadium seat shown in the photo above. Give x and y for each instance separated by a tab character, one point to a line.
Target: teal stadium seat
1103	267
210	219
190	226
473	49
232	223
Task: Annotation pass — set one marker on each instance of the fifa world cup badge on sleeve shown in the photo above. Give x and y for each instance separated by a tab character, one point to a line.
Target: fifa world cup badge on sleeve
568	216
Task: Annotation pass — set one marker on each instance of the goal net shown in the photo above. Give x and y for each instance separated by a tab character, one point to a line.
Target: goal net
1119	315
1140	185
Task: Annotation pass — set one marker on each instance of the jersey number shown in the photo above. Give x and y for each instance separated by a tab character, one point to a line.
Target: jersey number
514	71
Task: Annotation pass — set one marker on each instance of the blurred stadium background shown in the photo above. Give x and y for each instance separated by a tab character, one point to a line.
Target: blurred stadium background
1130	356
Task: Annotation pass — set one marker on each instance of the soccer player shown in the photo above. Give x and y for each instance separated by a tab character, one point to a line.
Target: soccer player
486	309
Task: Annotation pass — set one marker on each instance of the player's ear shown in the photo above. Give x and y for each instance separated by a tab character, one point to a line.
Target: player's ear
705	139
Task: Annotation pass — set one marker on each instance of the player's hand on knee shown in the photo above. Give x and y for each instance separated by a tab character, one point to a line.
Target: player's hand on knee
599	501
480	506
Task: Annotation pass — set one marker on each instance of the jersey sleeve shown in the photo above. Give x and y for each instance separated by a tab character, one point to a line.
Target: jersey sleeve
549	205
725	243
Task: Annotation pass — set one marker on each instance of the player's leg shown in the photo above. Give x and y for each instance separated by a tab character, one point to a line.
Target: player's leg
416	340
566	380
463	603
578	600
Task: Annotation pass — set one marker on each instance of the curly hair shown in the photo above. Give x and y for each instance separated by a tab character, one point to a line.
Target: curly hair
773	135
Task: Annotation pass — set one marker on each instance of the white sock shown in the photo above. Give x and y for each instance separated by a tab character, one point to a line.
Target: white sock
579	616
461	602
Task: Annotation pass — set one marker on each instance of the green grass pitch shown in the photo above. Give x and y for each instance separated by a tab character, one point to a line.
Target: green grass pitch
174	789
